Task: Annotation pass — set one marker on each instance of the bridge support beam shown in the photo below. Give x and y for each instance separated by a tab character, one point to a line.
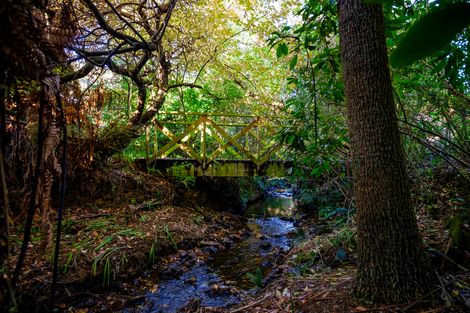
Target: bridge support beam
221	168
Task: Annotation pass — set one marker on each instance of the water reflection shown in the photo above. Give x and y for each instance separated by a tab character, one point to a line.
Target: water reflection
273	206
270	221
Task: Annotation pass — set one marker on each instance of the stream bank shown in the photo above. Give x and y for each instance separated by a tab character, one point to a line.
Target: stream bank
123	223
216	276
117	225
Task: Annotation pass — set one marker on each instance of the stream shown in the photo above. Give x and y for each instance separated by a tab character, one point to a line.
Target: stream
221	279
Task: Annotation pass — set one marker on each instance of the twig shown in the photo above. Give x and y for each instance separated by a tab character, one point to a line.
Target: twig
450	142
86	294
92	216
445	295
250	305
311	298
449	243
319	253
420	299
435	310
380	308
450	260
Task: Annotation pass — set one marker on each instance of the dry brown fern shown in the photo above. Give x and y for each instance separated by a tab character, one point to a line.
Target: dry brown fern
33	37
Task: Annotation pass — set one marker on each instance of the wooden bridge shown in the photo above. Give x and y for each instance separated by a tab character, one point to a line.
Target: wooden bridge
208	144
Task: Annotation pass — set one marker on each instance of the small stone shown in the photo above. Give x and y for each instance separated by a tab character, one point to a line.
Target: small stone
191	280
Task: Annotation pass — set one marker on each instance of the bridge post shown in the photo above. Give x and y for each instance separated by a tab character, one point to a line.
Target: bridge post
203	142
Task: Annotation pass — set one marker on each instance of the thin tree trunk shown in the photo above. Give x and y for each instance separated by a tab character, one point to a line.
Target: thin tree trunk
392	264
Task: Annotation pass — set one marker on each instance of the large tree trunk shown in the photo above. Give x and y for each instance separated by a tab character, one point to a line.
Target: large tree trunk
392	263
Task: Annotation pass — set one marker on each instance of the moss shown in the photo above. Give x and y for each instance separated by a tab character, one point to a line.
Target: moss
455	229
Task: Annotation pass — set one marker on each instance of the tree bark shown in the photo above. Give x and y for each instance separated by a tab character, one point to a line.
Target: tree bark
392	264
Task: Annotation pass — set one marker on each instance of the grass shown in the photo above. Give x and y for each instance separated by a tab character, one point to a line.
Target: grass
153	253
305	260
69	260
104	260
103	238
169	236
198	220
131	232
104	242
100	224
67	226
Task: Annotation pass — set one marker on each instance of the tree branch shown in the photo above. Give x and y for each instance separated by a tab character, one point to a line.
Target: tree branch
141	63
82	72
450	142
168	9
126	22
135	47
436	150
190	85
102	22
145	19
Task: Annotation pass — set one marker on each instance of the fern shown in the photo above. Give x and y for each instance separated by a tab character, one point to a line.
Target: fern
257	278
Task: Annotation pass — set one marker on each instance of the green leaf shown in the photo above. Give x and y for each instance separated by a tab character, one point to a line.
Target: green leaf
290	138
437	68
280	50
284	49
293	62
431	33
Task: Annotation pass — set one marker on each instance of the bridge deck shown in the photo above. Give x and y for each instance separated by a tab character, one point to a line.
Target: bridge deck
220	168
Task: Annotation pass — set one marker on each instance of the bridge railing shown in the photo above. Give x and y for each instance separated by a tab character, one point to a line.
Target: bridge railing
208	137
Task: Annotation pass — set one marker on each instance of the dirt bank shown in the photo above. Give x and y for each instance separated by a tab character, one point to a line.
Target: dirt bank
119	224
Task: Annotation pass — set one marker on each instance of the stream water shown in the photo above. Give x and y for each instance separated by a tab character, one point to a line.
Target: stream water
221	280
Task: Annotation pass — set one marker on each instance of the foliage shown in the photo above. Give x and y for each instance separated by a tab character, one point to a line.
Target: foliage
306	260
340	216
251	188
443	23
169	236
346	237
153	253
317	132
316	128
181	177
32	39
256	278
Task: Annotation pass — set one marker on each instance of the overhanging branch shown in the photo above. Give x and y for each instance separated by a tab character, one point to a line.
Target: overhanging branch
82	72
102	22
190	85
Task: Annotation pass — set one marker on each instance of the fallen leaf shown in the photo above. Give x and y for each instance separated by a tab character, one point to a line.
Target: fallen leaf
360	309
